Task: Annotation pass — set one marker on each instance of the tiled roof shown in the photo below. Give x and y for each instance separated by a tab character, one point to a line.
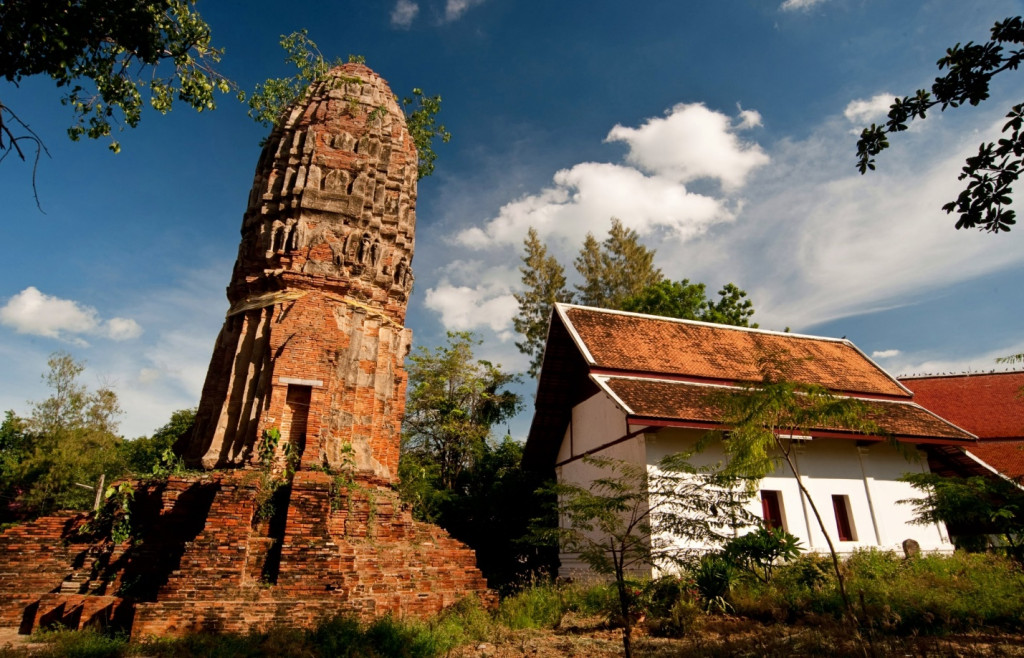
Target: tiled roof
647	344
686	402
988	405
1007	457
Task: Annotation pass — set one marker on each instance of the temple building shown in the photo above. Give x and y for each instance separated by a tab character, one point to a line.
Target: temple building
637	388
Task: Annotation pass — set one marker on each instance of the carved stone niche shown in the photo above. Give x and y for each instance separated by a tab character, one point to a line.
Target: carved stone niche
284	237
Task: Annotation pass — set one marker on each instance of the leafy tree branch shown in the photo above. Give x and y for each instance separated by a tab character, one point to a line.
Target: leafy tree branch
985	202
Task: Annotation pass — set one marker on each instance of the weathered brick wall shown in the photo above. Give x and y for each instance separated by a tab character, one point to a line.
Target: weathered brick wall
200	562
320	286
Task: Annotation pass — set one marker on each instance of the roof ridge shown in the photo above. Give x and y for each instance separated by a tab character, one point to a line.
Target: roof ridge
716	325
947	375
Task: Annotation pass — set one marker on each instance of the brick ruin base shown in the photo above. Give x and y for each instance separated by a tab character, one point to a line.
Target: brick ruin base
203	560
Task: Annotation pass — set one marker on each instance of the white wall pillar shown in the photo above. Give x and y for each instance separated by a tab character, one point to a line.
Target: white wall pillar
868	481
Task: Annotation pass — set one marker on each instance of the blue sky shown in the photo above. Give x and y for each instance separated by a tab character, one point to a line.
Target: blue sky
723	132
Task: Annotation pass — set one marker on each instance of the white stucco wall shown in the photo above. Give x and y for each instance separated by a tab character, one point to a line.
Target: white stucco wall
595	422
868	477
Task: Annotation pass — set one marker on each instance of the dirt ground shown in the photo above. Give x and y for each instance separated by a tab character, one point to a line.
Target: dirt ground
588	637
583	637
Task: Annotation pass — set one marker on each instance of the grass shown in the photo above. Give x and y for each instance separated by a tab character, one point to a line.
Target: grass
903	605
927	594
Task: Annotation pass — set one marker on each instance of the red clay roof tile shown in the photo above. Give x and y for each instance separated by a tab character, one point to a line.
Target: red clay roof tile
648	344
987	405
702	404
1007	457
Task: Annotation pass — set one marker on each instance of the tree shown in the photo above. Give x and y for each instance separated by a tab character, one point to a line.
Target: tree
269	101
616	269
454	475
144	455
985	202
72	441
762	420
454	401
14	444
633	518
972	508
688	301
111	57
544	280
618	273
493	508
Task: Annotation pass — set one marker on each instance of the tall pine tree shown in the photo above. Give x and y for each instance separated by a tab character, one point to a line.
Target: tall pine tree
544	280
615	270
618	273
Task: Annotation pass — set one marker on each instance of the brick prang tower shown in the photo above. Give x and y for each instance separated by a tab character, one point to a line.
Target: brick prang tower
311	352
314	341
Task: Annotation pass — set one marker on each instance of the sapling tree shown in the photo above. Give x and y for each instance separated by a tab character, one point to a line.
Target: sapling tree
764	418
635	517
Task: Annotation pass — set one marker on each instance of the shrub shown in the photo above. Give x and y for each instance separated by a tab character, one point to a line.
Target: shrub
535	606
714	577
684	617
81	644
758	552
931	593
594	599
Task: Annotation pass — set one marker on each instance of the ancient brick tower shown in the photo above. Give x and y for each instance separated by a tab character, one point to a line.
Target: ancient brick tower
314	340
311	352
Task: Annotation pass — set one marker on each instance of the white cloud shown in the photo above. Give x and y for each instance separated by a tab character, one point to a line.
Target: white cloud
32	312
884	354
798	5
692	142
454	9
920	363
38	314
122	329
819	241
748	119
404	13
866	110
473	295
585	197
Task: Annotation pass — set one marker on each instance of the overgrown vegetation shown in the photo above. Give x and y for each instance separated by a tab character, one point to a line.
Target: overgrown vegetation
269	100
53	459
455	474
632	518
800	611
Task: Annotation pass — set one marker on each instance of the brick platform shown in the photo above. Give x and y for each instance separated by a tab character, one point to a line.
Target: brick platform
342	549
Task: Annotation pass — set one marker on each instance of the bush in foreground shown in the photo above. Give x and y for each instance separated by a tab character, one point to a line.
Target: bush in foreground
896	598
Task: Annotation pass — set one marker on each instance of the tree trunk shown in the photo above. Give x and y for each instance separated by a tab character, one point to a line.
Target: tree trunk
627	629
821	524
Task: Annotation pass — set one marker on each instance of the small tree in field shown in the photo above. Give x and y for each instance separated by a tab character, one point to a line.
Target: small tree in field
765	418
973	509
636	517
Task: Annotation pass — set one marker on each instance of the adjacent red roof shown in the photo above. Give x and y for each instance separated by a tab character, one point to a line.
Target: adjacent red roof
699	405
636	343
988	405
1007	457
